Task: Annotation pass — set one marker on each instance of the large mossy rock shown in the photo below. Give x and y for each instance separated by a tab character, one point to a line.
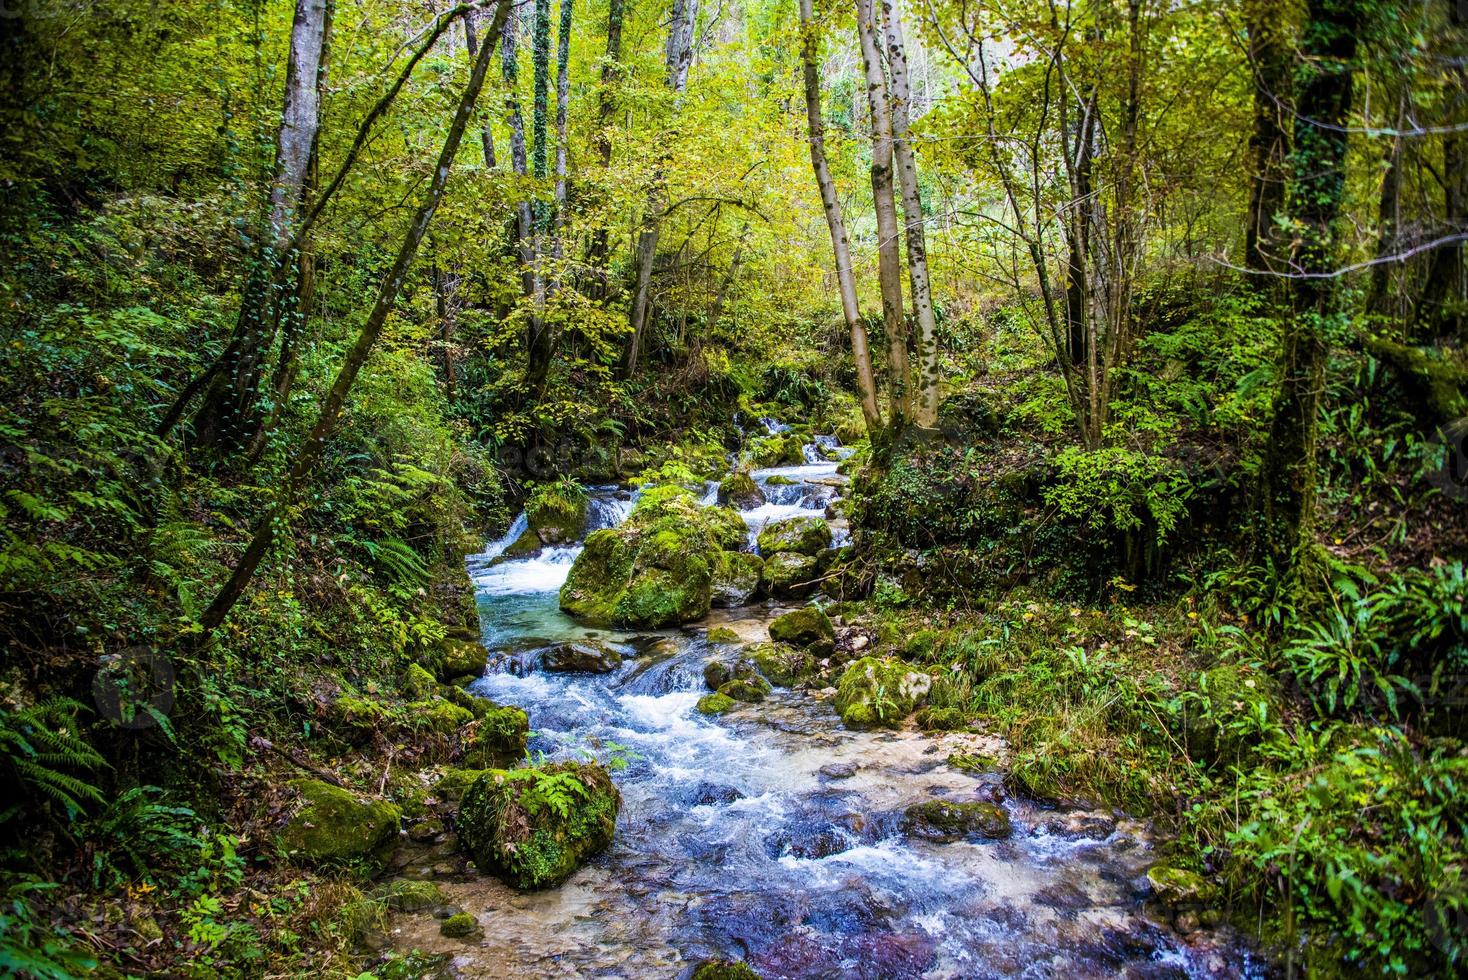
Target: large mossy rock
556	516
580	657
535	827
780	449
736	579
657	568
455	658
334	826
1179	887
809	628
1225	692
880	693
498	738
946	820
739	490
803	535
790	575
782	663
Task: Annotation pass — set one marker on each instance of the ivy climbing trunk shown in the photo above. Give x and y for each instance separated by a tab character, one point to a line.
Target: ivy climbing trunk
309	454
866	382
230	414
1317	188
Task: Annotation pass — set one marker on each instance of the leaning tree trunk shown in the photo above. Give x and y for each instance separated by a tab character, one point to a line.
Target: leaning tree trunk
889	260
1317	189
866	382
230	415
925	401
679	55
311	451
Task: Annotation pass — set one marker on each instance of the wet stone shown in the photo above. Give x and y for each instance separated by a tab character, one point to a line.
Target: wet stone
712	794
838	770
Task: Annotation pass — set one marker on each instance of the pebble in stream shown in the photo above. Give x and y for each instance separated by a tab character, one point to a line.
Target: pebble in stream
774	835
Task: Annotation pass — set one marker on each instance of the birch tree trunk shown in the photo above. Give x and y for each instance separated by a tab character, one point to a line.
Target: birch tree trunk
310	452
889	260
524	227
925	400
230	416
866	383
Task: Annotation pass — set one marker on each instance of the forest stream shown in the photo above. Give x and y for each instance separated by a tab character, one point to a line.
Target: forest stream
773	833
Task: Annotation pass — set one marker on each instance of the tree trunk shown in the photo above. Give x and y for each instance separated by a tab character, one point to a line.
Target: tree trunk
717	309
1387	221
311	451
679	55
471	41
524	226
229	415
1317	188
925	401
1269	60
866	382
596	253
889	260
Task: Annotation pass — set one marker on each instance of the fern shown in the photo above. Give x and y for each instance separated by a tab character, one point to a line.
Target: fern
43	752
140	834
29	948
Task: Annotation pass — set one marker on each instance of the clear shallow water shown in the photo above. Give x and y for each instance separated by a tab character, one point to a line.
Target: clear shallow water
732	842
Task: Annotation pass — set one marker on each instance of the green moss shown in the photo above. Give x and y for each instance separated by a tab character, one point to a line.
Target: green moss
736	578
599	576
1224	694
879	692
724	970
417	682
1179	886
528	543
410	895
748	689
722	634
946	820
440	717
715	704
461	925
781	663
789	575
454	783
458	657
738	489
779	480
809	628
498	738
803	535
535	827
932	719
333	826
557	512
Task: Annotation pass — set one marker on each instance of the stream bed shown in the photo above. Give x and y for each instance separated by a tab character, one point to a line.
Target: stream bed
772	833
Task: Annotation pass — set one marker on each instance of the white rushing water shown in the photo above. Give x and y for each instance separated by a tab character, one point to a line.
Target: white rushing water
736	840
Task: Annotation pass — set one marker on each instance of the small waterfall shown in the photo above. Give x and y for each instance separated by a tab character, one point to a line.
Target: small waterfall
495	548
608	507
773	426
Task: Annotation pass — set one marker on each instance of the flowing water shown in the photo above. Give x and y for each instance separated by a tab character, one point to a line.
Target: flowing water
773	834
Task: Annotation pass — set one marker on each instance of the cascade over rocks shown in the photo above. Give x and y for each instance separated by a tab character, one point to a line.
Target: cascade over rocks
656	569
739	490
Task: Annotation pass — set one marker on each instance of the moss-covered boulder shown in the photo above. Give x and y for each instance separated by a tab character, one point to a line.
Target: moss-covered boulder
880	693
534	827
932	719
780	449
458	657
527	544
947	820
715	704
411	895
334	826
357	718
736	579
750	690
722	634
439	717
809	628
739	490
789	575
556	513
461	925
803	535
781	663
498	738
454	783
418	682
1223	693
724	970
1179	887
580	657
657	568
717	673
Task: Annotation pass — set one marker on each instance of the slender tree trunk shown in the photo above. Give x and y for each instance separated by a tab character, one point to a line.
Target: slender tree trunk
679	55
866	383
311	451
229	415
1387	221
1440	309
1269	60
1317	189
596	254
925	401
889	260
471	41
519	163
730	275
